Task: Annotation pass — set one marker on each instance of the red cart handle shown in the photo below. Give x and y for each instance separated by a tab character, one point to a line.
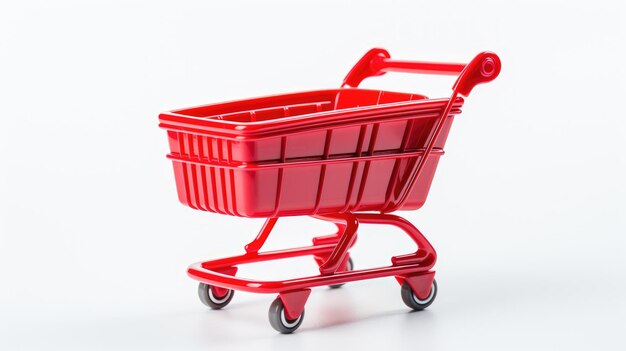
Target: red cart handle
485	67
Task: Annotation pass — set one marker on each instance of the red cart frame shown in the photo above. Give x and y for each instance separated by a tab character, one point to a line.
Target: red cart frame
218	149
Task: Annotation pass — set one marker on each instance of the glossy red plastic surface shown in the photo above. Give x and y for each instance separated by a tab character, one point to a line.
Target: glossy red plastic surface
413	264
343	159
340	150
327	154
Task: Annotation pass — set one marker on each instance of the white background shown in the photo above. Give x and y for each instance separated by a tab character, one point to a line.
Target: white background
526	210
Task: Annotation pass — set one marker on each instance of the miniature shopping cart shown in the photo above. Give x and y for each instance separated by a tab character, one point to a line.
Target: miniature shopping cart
348	156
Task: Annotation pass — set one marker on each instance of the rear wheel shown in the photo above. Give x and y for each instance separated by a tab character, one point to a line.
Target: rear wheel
409	298
350	267
215	297
278	318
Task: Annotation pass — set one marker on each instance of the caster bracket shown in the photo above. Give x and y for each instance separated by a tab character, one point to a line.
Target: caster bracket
294	302
419	283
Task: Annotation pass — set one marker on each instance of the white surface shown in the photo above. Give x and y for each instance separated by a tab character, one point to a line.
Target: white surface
526	211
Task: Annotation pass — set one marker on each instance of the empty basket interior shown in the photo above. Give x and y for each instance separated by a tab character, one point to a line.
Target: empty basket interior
264	109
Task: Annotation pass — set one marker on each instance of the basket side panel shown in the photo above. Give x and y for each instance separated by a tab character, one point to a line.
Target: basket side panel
305	145
256	192
261	150
344	140
374	184
299	189
335	187
304	190
390	135
418	196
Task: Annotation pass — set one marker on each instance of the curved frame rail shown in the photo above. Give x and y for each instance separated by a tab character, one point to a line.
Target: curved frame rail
331	251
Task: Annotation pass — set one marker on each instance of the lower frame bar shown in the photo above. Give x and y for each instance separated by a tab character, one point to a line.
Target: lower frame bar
331	250
197	272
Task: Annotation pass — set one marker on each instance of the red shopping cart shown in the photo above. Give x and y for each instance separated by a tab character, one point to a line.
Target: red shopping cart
349	156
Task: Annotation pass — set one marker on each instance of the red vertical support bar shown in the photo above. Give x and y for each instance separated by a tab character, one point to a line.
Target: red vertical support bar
339	254
264	233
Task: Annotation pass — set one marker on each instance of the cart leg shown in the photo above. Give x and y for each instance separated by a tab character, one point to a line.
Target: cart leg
255	245
333	239
338	258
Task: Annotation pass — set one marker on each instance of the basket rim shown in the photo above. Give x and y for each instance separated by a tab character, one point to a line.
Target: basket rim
174	120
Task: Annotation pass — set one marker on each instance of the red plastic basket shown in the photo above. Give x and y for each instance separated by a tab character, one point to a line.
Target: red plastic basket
332	154
307	153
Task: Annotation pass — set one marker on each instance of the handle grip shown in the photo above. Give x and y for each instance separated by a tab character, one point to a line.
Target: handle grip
483	68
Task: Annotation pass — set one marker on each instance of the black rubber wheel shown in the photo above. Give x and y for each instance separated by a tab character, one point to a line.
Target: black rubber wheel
413	302
279	320
208	297
350	267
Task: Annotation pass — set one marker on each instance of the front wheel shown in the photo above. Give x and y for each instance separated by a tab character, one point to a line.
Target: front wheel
215	297
278	318
413	301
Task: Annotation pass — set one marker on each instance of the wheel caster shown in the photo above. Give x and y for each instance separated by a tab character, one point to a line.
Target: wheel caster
278	318
413	301
350	267
215	297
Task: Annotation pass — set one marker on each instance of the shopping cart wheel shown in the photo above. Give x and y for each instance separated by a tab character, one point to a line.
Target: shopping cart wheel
350	267
413	301
215	297
279	320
